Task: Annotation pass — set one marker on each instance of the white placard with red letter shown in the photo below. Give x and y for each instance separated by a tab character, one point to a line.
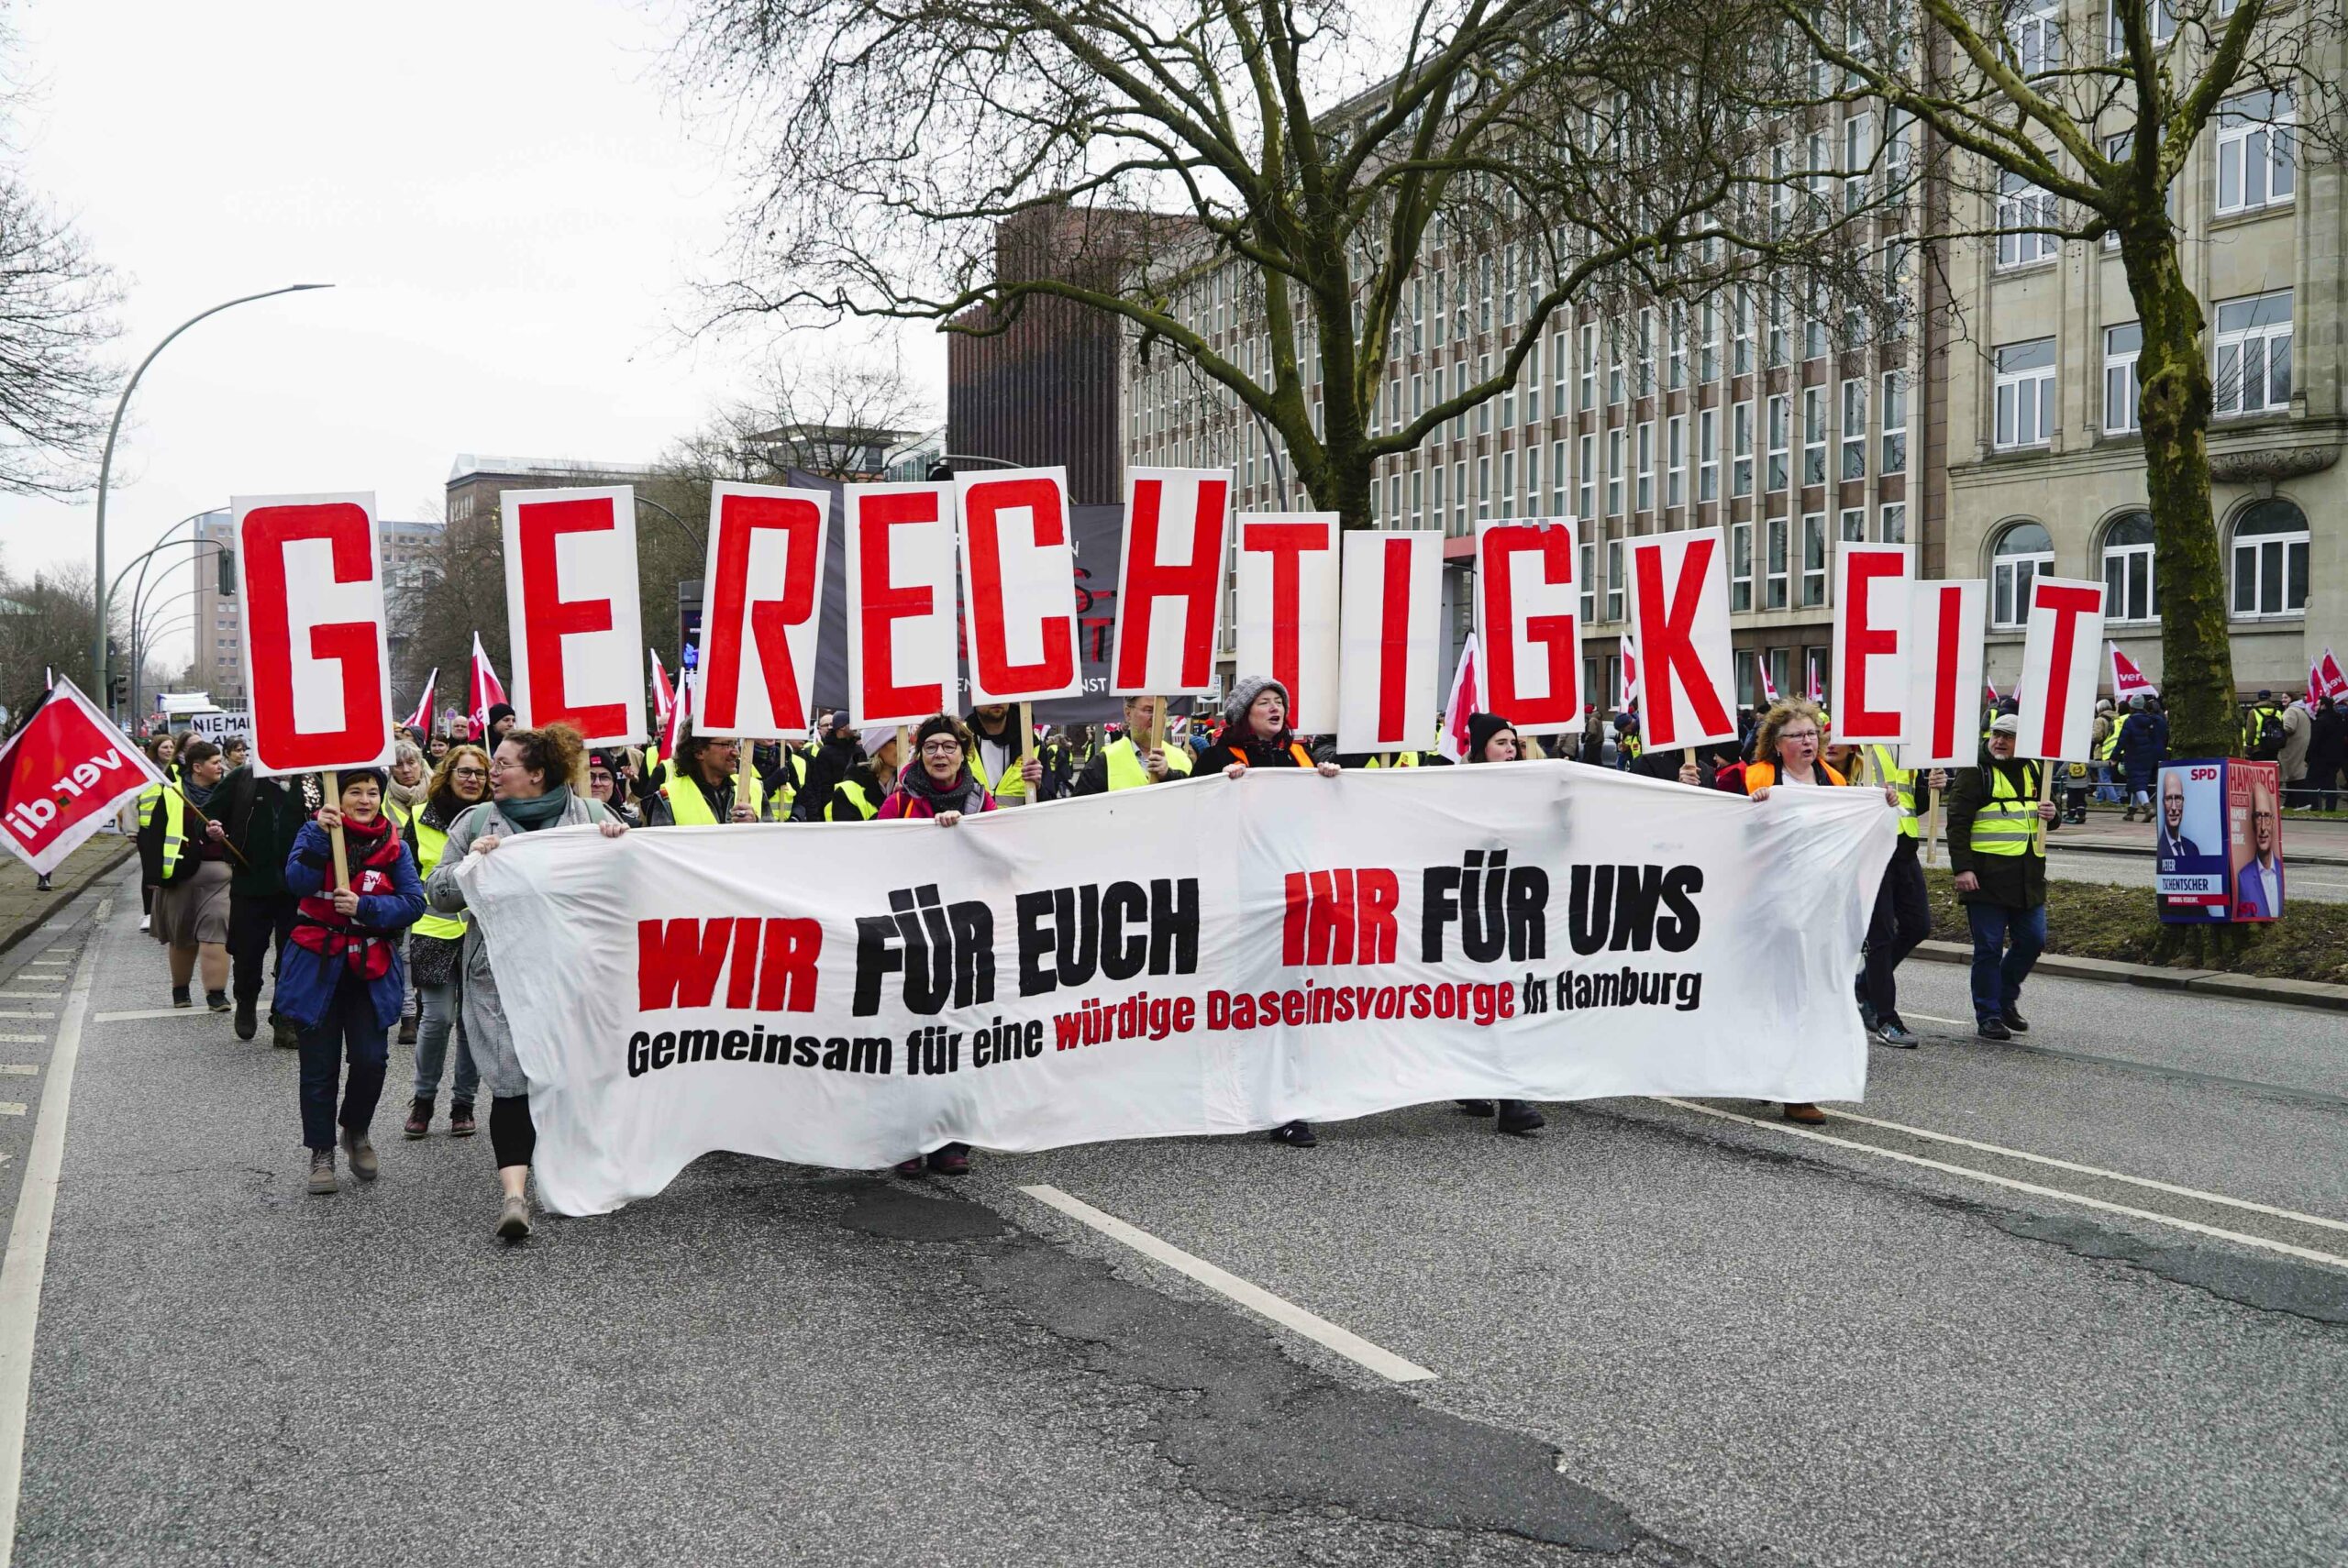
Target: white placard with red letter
1390	622
61	774
1528	623
1946	621
1284	572
1869	692
1019	585
316	669
2061	660
571	607
901	661
1169	581
1679	610
762	590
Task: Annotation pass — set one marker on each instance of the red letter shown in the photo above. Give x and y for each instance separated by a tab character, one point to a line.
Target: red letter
787	966
981	509
1860	640
351	644
1147	581
1552	634
739	521
1286	542
2068	604
677	961
884	603
1666	646
1394	641
550	617
1945	693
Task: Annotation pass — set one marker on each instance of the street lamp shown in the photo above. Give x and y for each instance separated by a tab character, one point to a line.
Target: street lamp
105	462
690	532
138	596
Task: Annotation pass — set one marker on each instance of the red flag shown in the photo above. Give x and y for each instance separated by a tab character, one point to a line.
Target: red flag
664	696
1817	694
2327	679
62	774
423	714
2127	680
1992	688
1453	742
487	691
1629	696
672	723
1768	687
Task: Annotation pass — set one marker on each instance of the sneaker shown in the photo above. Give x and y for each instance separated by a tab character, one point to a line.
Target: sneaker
1475	1107
284	1035
1898	1036
407	1030
1867	1019
217	1001
248	1021
1993	1028
1295	1134
1802	1110
912	1168
461	1119
514	1218
360	1152
419	1119
321	1171
144	921
1518	1116
2016	1022
44	885
952	1160
180	997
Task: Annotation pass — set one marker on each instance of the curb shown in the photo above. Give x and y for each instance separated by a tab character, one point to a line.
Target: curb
2199	982
63	897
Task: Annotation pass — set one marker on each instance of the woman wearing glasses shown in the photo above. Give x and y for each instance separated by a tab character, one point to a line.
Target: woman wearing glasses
436	943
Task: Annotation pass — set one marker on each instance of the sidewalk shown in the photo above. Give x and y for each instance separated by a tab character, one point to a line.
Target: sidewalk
23	905
2312	843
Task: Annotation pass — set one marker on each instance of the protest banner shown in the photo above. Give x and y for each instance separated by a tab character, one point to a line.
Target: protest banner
1679	611
1870	645
2056	697
1018	585
1390	629
1528	622
760	587
317	671
1170	587
851	995
219	724
63	774
901	661
571	601
1284	582
1945	624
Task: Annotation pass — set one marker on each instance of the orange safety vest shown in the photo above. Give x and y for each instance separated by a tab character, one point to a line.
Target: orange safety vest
1758	774
1295	749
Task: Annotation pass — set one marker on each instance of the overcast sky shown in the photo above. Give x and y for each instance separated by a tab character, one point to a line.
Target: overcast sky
502	191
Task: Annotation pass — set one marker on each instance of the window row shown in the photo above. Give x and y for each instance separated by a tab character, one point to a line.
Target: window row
2249	372
2266	556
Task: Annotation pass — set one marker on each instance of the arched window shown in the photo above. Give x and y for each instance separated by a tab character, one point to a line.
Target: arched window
2271	560
2025	553
2131	592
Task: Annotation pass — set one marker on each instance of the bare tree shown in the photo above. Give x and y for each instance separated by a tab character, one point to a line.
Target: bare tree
2074	122
961	162
45	625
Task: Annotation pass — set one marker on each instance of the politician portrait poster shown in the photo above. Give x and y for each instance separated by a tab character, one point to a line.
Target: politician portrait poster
2255	804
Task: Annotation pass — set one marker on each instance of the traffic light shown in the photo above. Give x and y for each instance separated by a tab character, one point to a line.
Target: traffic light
228	559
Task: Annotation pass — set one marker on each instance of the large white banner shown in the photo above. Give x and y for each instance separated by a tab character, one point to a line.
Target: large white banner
852	994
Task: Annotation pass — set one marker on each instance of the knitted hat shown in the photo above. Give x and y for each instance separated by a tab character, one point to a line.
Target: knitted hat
875	736
2006	725
1243	692
1481	728
498	710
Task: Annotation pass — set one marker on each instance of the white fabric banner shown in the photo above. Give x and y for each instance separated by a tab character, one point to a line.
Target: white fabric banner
852	994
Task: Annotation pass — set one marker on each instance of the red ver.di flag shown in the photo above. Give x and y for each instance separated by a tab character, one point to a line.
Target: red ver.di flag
1169	588
1284	582
901	661
315	664
570	601
762	586
2060	649
1019	585
62	774
1393	627
1870	657
1528	623
1679	610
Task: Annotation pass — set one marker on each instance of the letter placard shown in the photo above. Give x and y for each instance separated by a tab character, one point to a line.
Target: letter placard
571	600
1392	621
1679	609
1945	624
315	664
1170	589
1868	695
1019	585
1528	623
901	661
1285	579
2062	651
763	583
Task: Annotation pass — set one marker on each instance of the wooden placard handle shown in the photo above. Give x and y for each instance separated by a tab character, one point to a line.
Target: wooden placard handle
341	850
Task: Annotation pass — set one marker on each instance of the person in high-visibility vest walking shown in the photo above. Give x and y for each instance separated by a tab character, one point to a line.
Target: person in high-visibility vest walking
1903	914
164	752
184	857
436	946
999	762
1993	811
1124	763
701	790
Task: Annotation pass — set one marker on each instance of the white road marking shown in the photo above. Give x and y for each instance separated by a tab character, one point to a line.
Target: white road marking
1929	1018
28	1259
1255	1298
20	1069
67	961
12	1108
2198	1229
34	996
145	1012
2192	1192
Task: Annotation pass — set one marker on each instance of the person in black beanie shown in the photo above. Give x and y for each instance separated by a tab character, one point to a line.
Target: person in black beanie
501	720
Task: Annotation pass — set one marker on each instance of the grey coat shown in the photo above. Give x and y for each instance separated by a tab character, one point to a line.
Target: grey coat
490	1037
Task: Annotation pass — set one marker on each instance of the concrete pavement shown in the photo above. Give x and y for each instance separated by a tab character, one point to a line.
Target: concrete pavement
1658	1335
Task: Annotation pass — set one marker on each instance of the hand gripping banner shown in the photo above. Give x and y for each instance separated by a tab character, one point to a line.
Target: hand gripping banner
852	994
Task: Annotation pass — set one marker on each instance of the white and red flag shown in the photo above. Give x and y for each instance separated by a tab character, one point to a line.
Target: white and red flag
1451	744
664	696
672	722
62	774
1768	687
1817	692
487	691
1628	697
1992	687
423	714
2127	680
2325	677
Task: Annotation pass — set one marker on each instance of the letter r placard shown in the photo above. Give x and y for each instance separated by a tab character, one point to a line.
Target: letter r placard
571	601
316	665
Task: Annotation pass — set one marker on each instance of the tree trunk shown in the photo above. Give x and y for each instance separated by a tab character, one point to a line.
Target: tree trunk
2196	661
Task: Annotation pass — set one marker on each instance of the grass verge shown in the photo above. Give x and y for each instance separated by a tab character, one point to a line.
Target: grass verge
2096	920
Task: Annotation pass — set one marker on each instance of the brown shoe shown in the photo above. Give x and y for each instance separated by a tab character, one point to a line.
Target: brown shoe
514	1218
1802	1110
321	1171
360	1152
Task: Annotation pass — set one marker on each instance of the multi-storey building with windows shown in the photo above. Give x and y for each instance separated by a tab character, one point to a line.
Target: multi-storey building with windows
405	548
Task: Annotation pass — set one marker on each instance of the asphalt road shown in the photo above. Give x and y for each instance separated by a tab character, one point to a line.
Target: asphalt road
1660	1333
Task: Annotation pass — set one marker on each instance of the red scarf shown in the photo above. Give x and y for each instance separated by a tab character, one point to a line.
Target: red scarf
374	850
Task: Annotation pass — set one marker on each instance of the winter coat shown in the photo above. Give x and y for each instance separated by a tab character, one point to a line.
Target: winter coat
2328	741
482	1009
2015	881
263	817
2143	745
2298	731
306	980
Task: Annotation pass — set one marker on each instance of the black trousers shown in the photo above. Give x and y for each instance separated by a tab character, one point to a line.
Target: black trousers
1904	917
510	1133
254	920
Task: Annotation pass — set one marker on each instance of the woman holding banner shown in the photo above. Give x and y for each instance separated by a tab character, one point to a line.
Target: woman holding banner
1491	738
1255	735
184	857
342	980
538	780
436	946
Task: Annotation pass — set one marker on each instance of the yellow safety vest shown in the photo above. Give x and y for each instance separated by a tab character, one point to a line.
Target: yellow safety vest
1126	769
1903	779
794	779
2009	818
1402	759
429	841
1014	784
175	823
147	798
690	807
2111	747
860	802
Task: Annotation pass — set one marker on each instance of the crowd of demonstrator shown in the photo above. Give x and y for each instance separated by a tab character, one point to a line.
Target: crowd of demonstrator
237	864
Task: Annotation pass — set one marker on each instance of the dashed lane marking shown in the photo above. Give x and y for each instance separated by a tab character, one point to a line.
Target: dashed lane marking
142	1012
1255	1298
19	1069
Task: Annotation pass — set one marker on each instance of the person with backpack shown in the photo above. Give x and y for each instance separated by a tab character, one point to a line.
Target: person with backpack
2263	730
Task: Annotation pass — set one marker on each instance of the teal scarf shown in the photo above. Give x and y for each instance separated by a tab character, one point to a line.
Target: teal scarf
538	810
